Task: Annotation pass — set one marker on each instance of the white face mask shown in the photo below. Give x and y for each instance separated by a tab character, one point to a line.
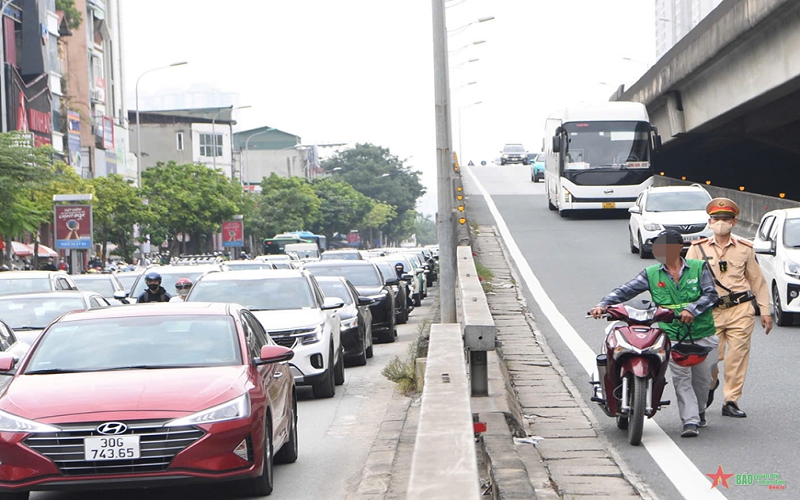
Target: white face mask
721	227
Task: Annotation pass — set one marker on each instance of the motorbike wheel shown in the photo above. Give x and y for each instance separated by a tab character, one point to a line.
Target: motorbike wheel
638	398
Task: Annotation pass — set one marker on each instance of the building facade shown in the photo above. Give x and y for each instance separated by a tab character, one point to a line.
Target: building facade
676	18
260	152
185	136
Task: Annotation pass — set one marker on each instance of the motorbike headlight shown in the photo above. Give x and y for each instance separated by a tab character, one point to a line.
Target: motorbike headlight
650	226
350	323
231	410
658	349
791	268
623	347
13	423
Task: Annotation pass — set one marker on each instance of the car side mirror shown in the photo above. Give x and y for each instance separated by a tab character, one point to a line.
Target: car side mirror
408	277
393	281
764	248
634	210
7	362
273	354
556	143
657	141
332	303
120	295
365	301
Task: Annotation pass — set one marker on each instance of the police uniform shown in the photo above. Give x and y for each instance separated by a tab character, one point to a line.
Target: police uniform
739	282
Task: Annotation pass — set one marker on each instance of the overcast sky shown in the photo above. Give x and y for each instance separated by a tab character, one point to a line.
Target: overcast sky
359	71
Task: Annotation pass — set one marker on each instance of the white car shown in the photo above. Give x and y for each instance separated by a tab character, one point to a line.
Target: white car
777	245
682	208
295	313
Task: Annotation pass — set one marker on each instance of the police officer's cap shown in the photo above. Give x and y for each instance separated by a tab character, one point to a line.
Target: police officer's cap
722	206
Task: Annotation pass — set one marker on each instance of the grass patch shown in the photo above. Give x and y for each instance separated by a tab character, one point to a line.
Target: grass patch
485	275
403	373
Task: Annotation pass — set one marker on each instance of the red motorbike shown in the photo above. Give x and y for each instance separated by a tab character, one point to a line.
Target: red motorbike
631	370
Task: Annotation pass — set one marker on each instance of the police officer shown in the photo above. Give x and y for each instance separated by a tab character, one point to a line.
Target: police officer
739	282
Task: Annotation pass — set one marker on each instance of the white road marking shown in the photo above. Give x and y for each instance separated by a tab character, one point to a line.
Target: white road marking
687	478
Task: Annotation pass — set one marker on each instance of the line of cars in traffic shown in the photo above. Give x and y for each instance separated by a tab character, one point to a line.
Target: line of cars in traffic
95	396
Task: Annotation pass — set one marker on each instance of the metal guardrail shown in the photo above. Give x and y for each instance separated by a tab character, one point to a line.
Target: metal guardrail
444	465
476	320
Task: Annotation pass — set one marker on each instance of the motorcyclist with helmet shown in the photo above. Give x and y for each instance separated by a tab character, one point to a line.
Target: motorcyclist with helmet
399	268
155	292
687	287
182	286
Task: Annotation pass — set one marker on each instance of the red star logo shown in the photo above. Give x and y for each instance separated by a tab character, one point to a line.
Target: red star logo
720	478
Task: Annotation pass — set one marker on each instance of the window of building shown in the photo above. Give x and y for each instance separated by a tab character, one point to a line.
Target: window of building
209	147
179	140
52	54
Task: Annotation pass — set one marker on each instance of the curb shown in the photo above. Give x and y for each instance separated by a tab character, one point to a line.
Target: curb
539	472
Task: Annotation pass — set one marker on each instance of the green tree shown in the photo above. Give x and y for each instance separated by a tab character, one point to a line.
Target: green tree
341	207
116	208
425	230
73	15
191	199
377	219
377	174
285	204
23	168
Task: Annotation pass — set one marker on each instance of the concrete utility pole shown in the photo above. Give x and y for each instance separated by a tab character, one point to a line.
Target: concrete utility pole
444	163
3	97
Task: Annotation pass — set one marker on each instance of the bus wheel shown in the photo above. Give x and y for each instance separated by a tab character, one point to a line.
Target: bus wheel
564	213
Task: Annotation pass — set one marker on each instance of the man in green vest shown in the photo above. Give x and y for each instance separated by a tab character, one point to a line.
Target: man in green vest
687	287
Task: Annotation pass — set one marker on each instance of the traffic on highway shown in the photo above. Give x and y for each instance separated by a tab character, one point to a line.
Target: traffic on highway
206	383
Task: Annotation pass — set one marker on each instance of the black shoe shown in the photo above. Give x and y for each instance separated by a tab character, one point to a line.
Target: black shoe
731	409
711	394
690	431
703	422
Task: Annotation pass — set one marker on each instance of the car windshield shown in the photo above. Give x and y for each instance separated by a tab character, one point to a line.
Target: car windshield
336	289
137	342
269	294
358	275
36	312
168	281
514	148
677	201
340	256
791	233
24	285
248	266
540	158
127	280
103	285
607	145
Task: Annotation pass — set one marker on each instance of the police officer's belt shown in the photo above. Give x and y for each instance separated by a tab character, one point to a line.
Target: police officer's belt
733	298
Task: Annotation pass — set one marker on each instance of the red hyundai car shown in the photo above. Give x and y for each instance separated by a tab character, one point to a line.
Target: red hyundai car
147	395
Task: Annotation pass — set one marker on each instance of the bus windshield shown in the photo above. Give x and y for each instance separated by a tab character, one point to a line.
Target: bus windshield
607	145
274	246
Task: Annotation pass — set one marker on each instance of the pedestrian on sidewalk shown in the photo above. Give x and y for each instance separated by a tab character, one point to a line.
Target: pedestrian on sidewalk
687	287
739	281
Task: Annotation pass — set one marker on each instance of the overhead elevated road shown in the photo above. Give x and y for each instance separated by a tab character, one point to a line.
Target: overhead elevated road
726	99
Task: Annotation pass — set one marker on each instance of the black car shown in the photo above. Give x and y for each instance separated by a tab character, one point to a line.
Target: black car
355	316
369	282
401	304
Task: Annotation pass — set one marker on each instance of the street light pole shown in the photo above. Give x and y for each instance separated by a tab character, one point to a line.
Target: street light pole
138	125
213	131
247	148
444	157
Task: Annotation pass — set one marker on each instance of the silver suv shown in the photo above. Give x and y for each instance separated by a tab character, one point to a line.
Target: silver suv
514	153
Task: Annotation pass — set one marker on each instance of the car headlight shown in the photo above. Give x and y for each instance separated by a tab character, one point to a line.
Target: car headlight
350	323
231	410
13	423
650	226
791	268
567	196
310	335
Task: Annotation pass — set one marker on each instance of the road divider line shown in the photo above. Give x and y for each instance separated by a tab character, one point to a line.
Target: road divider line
687	478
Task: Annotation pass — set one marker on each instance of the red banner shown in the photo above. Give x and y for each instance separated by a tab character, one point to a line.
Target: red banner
73	226
233	234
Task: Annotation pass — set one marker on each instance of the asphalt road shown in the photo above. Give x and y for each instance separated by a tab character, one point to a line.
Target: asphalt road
335	435
578	260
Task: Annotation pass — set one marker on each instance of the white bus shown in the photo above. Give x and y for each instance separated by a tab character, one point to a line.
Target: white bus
599	157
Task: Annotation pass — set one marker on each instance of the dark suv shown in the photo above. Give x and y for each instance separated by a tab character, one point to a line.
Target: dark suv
514	153
369	282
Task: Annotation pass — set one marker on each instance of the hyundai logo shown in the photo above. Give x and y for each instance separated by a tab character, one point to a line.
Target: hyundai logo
112	428
608	191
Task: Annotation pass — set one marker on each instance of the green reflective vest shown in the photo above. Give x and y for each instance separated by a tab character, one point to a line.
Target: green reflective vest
666	294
